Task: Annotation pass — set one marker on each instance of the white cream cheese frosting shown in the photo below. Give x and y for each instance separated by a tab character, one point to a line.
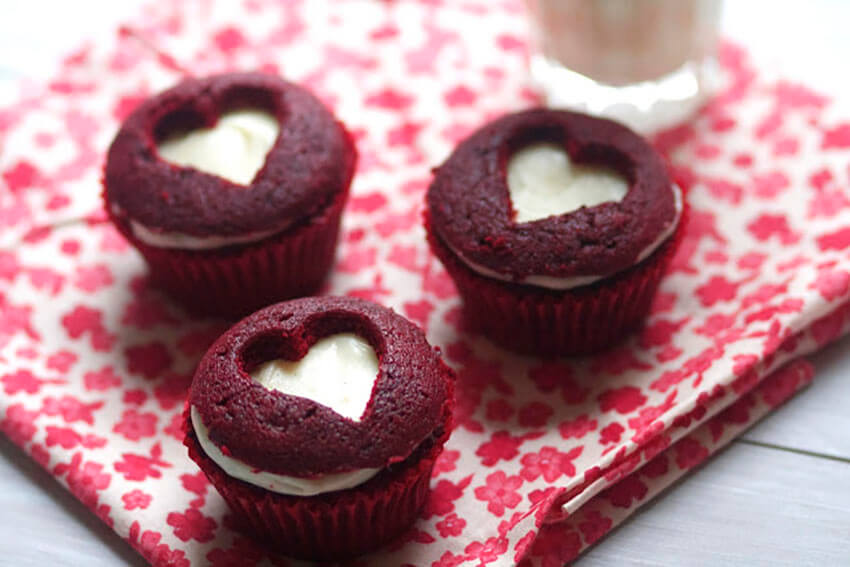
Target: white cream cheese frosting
159	239
556	283
339	372
235	148
280	483
543	182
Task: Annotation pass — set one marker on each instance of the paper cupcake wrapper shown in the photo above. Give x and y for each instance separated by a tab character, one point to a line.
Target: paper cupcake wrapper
335	525
548	322
237	281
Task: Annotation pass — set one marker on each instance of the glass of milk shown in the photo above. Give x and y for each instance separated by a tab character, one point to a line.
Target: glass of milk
647	63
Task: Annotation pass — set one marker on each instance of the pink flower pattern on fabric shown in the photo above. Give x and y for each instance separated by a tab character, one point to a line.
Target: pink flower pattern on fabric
546	456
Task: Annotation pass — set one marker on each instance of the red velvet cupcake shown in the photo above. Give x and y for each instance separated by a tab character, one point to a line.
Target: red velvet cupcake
556	228
319	420
232	188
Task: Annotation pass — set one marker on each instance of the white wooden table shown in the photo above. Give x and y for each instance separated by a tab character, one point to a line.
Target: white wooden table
780	495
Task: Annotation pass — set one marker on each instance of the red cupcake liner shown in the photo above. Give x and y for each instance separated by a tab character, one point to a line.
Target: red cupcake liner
335	525
576	321
236	281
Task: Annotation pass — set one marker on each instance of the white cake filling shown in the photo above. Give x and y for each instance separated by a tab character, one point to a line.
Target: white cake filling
339	372
235	148
543	182
159	239
553	282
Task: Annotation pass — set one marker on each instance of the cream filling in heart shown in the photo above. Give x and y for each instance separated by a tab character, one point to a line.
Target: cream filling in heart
339	372
543	182
235	148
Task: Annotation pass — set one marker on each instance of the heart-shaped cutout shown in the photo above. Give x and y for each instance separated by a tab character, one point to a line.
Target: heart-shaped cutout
542	182
339	371
235	148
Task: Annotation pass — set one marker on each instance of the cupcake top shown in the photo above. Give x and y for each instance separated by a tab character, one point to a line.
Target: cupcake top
553	199
318	394
224	160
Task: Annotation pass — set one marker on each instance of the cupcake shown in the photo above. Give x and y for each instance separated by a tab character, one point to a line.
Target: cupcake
319	420
556	228
232	188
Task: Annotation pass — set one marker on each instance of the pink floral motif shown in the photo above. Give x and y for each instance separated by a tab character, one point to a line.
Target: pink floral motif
622	400
140	467
656	467
136	499
135	397
499	410
192	525
593	526
84	320
552	376
22	175
643	423
718	288
450	526
661	332
38	453
837	137
611	433
550	463
442	499
102	379
171	391
145	312
556	545
832	284
487	552
618	361
577	428
449	559
15	319
783	383
19	424
147	543
93	278
389	99
150	359
767	225
67	438
61	361
135	425
501	446
500	492
9	266
22	381
535	414
689	453
229	39
175	427
460	96
71	409
446	462
84	479
627	490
